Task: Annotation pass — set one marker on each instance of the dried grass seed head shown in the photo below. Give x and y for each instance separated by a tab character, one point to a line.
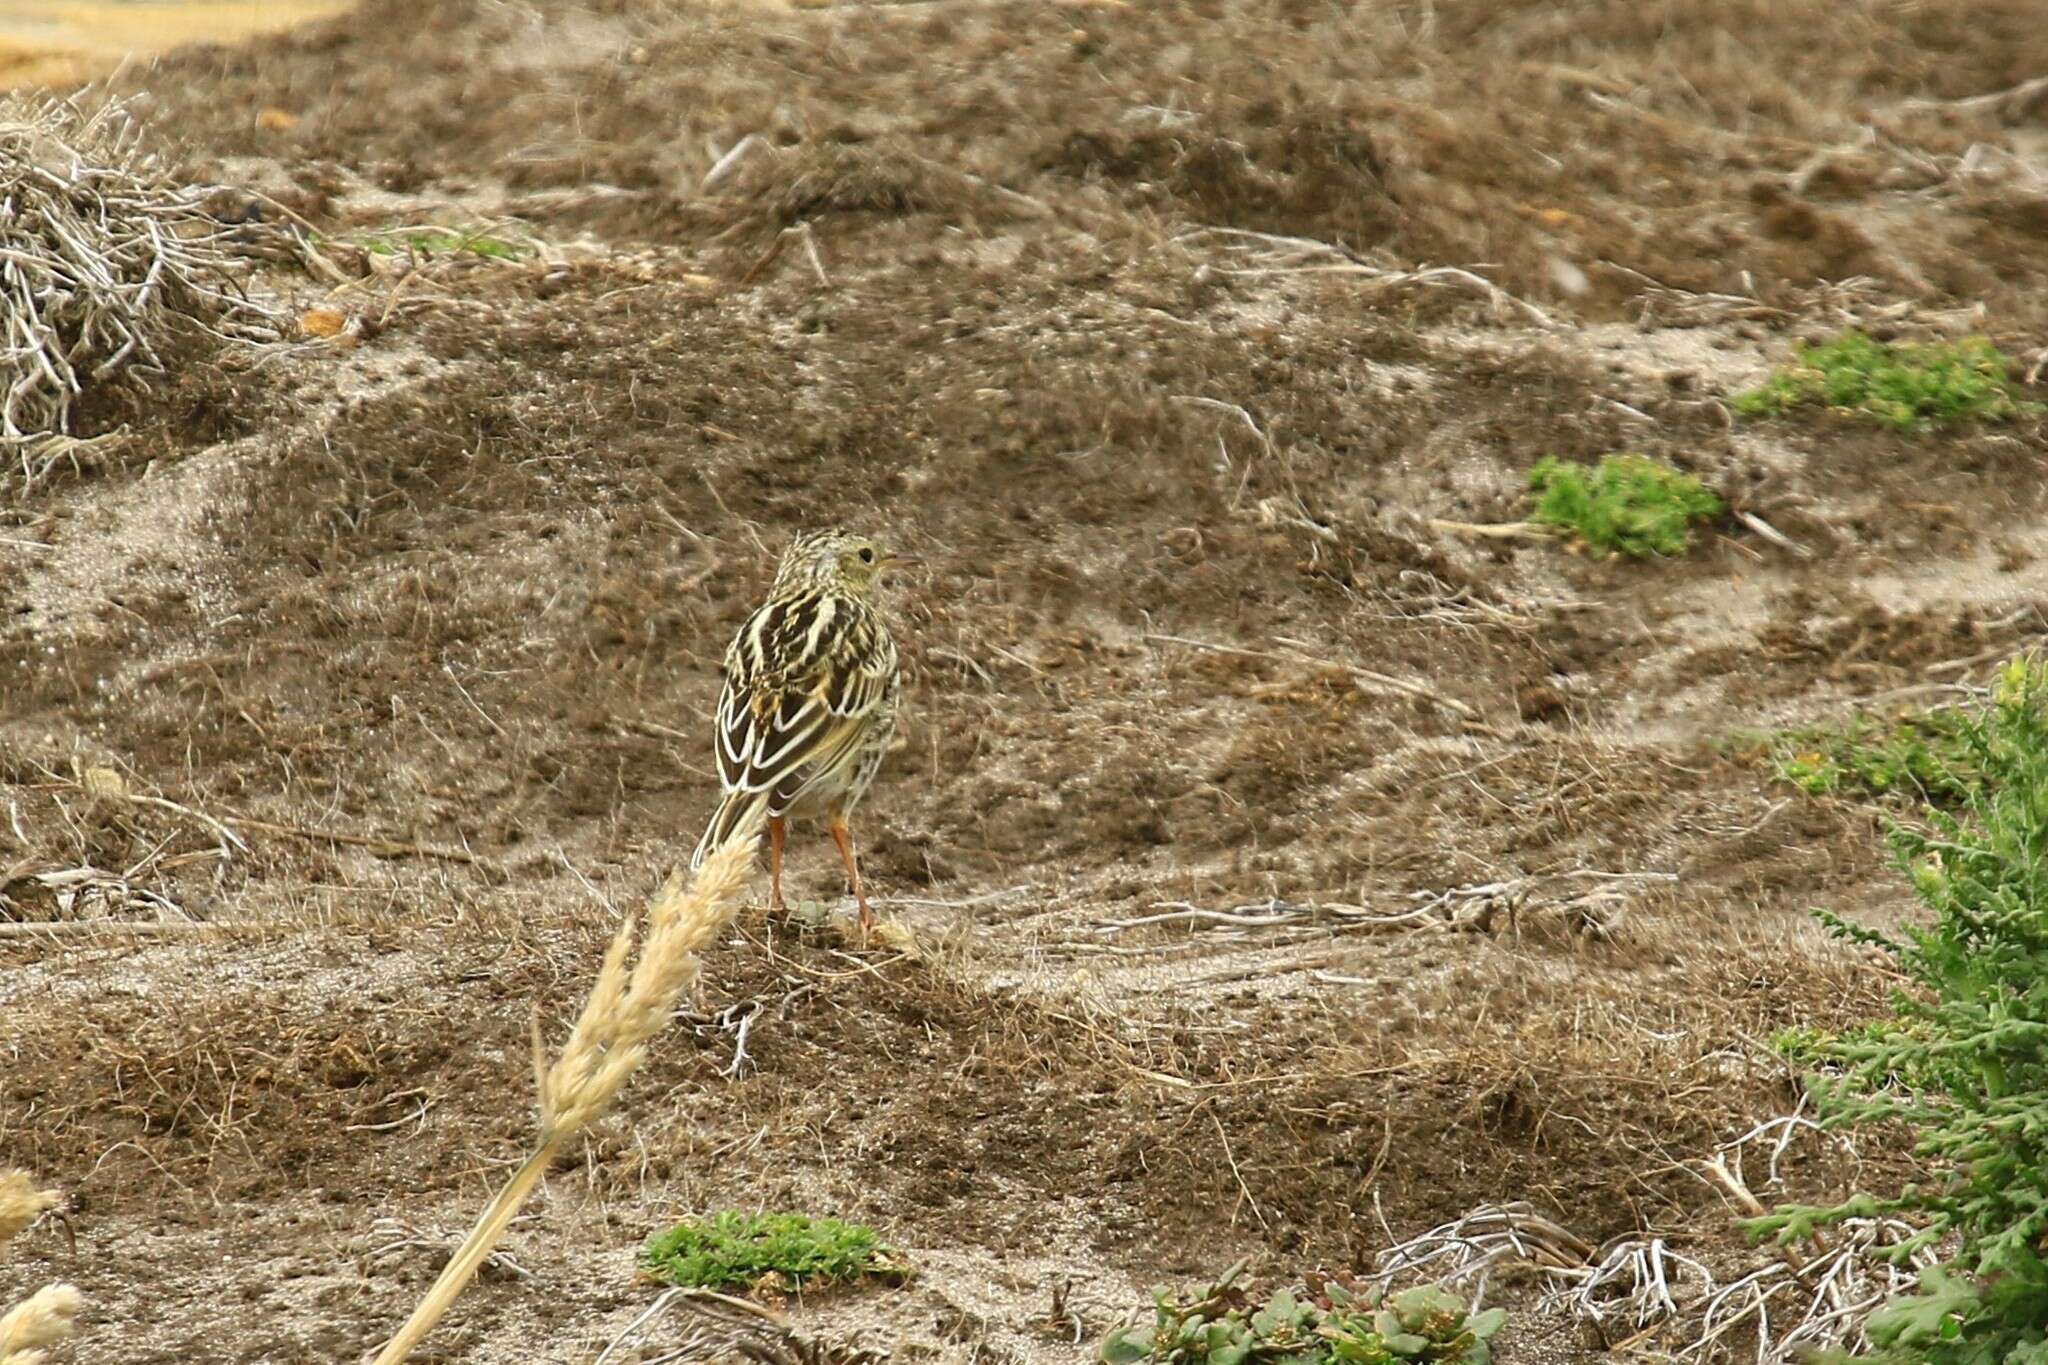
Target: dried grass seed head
634	996
21	1203
44	1318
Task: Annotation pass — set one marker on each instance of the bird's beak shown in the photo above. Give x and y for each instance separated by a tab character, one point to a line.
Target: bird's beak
901	561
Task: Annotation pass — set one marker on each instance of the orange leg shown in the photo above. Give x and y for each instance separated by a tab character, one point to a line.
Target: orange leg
775	833
841	837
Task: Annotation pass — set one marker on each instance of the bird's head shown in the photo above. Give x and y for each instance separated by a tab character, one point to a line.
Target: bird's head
843	560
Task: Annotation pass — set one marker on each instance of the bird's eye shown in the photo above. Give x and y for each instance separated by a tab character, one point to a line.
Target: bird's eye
867	556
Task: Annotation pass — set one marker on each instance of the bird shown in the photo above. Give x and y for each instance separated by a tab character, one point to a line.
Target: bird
809	702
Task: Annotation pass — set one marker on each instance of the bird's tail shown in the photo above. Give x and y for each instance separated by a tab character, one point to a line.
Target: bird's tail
739	815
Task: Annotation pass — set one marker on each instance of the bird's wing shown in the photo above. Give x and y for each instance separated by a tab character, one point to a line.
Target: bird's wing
802	681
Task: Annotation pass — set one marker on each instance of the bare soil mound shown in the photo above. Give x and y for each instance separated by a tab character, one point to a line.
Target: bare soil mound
1117	315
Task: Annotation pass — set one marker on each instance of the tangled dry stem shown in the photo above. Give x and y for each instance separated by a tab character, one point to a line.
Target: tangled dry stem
1780	1308
1822	1304
630	1003
723	1327
47	1316
1265	254
1469	1248
104	261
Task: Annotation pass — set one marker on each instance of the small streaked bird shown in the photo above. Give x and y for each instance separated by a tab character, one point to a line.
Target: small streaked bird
809	704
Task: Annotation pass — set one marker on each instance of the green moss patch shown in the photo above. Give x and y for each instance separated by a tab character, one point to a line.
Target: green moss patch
1905	386
737	1250
1626	504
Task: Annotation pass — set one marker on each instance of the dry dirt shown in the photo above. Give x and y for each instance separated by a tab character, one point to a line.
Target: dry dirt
984	283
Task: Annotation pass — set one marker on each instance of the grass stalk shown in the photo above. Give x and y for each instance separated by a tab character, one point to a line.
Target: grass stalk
475	1250
629	1004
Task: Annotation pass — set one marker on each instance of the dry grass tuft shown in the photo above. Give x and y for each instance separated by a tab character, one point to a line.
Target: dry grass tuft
21	1203
859	180
629	1004
45	1317
105	262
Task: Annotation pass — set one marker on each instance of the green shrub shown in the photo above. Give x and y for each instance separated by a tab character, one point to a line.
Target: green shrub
1924	756
1905	386
730	1250
1962	1064
1333	1324
1627	503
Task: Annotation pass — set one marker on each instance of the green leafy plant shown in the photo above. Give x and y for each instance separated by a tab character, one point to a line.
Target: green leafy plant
1329	1323
1907	386
443	242
1626	503
1922	755
1962	1064
737	1249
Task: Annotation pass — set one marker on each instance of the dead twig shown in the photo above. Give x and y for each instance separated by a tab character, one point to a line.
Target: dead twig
1773	534
142	928
1035	208
2009	104
810	240
226	836
1238	1175
394	1238
474	705
374	843
723	168
1271	254
1363	674
1271	914
1496	530
1982	656
985	898
1193	914
1234	409
1378	679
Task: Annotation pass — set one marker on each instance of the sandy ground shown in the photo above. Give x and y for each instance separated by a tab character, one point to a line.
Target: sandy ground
1112	317
62	43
